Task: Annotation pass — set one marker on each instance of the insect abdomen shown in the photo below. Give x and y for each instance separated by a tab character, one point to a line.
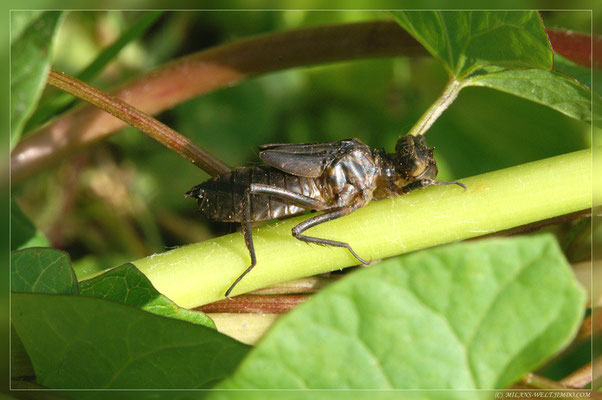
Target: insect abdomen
222	197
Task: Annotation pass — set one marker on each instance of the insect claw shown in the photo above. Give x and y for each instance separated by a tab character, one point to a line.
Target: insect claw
450	183
361	260
371	262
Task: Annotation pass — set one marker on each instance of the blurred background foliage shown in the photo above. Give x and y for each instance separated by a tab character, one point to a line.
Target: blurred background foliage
123	198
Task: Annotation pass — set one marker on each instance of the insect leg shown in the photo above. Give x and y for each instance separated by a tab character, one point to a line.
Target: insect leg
248	235
257	188
301	200
305	225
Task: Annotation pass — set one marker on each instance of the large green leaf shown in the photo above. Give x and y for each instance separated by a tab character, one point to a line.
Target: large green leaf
567	67
465	316
510	50
550	88
20	364
42	270
23	233
20	20
86	342
31	50
45	270
469	40
128	285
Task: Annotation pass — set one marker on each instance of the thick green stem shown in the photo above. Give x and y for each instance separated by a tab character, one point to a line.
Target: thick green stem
200	273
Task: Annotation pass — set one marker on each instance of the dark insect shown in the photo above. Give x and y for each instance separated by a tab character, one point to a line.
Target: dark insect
335	177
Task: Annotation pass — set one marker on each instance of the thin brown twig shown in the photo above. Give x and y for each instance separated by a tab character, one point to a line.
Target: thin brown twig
560	390
583	376
205	71
136	118
540	382
276	299
255	304
591	325
311	284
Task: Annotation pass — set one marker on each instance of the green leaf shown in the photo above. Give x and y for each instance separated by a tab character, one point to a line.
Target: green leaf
86	342
468	40
20	365
466	316
127	285
23	233
549	88
20	20
31	49
36	270
30	386
42	270
567	67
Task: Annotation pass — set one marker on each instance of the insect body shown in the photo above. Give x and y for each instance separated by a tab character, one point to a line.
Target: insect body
335	177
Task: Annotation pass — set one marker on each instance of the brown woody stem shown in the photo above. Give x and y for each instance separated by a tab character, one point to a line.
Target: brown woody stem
583	376
540	382
311	284
136	118
257	304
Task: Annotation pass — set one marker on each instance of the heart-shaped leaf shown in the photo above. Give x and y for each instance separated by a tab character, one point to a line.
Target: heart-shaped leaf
42	270
46	270
128	285
86	342
469	40
567	67
550	88
20	364
465	316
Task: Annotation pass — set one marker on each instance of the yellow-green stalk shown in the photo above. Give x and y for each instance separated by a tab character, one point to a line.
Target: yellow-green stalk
200	273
